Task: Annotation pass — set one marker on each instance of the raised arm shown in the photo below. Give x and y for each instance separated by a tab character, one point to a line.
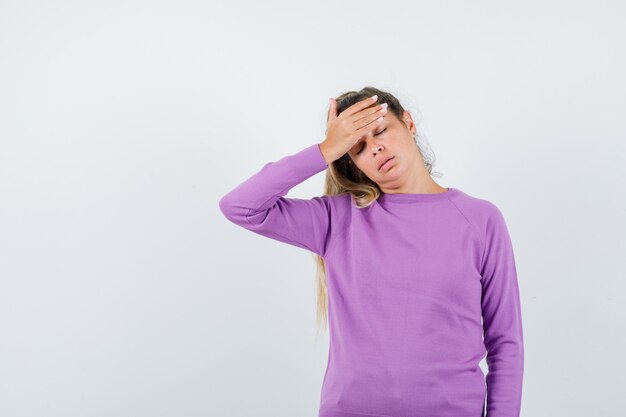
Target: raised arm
258	204
502	321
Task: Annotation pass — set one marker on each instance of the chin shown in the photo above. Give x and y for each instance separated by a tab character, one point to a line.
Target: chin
393	172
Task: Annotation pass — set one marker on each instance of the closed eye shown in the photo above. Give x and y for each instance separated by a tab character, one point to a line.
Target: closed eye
379	133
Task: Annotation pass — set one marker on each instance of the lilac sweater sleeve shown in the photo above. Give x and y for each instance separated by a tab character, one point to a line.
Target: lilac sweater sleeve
258	204
502	321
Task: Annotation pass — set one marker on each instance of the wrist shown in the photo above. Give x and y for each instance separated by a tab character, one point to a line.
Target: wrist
325	153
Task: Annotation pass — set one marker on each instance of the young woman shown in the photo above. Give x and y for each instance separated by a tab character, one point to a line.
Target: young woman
421	279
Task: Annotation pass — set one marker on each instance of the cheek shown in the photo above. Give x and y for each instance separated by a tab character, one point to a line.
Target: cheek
361	165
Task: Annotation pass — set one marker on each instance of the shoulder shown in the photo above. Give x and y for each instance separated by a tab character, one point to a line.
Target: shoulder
335	201
481	212
337	206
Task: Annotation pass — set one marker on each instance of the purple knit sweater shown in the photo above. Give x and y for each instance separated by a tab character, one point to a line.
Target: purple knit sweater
409	279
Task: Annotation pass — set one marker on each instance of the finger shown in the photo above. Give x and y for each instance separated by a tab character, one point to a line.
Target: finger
368	111
370	128
376	115
358	106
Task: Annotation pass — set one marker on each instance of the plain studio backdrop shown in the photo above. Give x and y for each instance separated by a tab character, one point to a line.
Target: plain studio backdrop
125	292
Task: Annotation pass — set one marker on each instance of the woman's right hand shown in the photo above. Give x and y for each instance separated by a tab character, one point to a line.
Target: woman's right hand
347	129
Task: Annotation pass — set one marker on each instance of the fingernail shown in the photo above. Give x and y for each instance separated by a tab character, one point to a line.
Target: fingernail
374	97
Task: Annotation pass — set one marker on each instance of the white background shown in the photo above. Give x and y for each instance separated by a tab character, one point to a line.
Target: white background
125	292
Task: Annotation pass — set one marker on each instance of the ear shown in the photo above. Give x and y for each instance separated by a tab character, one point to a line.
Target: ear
408	121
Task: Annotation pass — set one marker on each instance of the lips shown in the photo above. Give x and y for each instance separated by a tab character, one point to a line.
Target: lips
384	162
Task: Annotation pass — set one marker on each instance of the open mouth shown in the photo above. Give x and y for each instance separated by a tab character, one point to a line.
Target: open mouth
383	164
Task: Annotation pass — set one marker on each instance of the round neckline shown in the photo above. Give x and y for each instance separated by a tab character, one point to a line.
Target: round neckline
412	197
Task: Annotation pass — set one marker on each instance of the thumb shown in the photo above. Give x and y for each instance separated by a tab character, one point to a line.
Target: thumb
332	110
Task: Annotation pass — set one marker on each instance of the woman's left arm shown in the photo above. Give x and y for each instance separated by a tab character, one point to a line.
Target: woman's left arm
502	320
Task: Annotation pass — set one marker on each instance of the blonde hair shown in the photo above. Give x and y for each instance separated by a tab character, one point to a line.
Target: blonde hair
342	176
